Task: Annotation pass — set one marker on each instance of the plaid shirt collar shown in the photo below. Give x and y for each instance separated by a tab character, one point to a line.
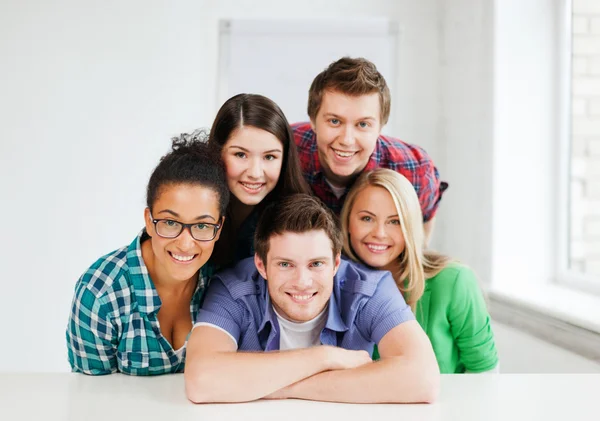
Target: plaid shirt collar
143	288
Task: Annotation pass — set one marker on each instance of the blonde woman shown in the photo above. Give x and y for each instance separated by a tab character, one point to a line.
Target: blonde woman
382	225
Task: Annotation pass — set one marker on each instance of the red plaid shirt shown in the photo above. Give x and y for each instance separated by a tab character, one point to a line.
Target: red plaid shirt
409	160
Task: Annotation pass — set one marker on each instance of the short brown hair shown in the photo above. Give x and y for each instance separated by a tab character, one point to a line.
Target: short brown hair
353	77
297	213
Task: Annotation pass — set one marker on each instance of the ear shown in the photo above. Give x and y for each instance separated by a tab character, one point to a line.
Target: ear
148	222
260	266
313	125
337	261
220	229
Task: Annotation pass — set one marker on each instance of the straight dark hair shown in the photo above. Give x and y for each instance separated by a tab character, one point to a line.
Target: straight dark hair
262	113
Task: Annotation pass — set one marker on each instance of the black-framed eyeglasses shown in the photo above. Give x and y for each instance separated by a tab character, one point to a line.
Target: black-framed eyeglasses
200	231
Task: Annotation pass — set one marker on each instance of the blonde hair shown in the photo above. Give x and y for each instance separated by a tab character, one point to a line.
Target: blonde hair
415	263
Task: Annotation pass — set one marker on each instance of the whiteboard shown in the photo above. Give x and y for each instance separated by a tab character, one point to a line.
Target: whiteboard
280	58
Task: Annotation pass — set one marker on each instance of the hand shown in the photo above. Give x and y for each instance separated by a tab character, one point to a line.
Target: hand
344	359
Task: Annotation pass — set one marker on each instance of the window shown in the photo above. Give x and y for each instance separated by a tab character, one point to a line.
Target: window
583	263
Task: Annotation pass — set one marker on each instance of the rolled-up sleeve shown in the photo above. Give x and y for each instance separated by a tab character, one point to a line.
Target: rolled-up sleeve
91	338
470	324
383	311
221	310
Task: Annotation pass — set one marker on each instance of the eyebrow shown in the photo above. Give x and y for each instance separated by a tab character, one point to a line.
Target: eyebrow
341	118
371	213
312	259
176	215
246	150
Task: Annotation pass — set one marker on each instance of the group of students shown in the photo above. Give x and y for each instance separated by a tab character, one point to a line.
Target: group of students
306	241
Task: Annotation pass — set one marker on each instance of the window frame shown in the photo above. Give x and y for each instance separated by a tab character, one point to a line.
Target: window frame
565	276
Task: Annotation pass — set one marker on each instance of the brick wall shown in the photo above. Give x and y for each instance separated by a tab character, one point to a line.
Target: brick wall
585	131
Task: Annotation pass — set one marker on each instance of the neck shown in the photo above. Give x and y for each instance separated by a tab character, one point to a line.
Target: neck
337	180
393	267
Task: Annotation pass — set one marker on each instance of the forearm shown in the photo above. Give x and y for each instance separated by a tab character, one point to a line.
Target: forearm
246	376
389	380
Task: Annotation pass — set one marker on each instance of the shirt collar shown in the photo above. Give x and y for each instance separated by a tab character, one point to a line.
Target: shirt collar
143	288
316	164
270	316
334	317
374	159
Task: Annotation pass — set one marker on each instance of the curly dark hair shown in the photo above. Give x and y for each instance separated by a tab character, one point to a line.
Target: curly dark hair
190	161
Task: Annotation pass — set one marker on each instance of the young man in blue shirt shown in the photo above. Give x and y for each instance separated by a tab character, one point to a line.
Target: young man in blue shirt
318	315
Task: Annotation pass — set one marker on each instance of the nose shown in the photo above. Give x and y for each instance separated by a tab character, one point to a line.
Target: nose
255	169
379	230
348	136
185	241
304	280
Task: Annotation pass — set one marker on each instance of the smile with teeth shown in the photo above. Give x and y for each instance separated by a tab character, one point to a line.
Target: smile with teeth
252	186
377	247
302	297
181	258
344	154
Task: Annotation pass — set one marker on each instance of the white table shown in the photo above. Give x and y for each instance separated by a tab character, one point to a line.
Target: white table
503	397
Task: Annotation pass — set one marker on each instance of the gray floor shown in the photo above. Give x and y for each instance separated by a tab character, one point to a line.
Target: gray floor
522	353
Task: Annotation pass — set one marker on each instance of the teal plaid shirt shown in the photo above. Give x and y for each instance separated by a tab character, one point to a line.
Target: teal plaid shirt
113	326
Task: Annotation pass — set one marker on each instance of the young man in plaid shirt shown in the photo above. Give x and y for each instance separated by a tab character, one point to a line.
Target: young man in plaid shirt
348	105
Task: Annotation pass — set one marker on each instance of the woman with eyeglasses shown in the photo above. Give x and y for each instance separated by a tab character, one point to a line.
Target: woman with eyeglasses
257	146
133	309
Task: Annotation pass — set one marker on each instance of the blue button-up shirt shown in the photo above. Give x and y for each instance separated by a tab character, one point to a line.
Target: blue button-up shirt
364	306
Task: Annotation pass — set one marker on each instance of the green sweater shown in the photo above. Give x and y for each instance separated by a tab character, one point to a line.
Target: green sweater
453	313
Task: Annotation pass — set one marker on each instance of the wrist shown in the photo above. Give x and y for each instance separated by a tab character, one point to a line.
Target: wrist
328	358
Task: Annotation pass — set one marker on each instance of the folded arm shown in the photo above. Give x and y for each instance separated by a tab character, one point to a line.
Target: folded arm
406	373
215	372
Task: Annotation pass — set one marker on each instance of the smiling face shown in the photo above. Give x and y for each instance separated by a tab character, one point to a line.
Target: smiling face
299	271
374	228
178	259
253	159
347	128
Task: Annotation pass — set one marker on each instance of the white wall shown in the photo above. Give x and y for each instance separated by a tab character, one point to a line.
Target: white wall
465	132
91	93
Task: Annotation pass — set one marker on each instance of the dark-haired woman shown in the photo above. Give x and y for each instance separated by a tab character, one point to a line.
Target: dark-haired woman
256	143
133	309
